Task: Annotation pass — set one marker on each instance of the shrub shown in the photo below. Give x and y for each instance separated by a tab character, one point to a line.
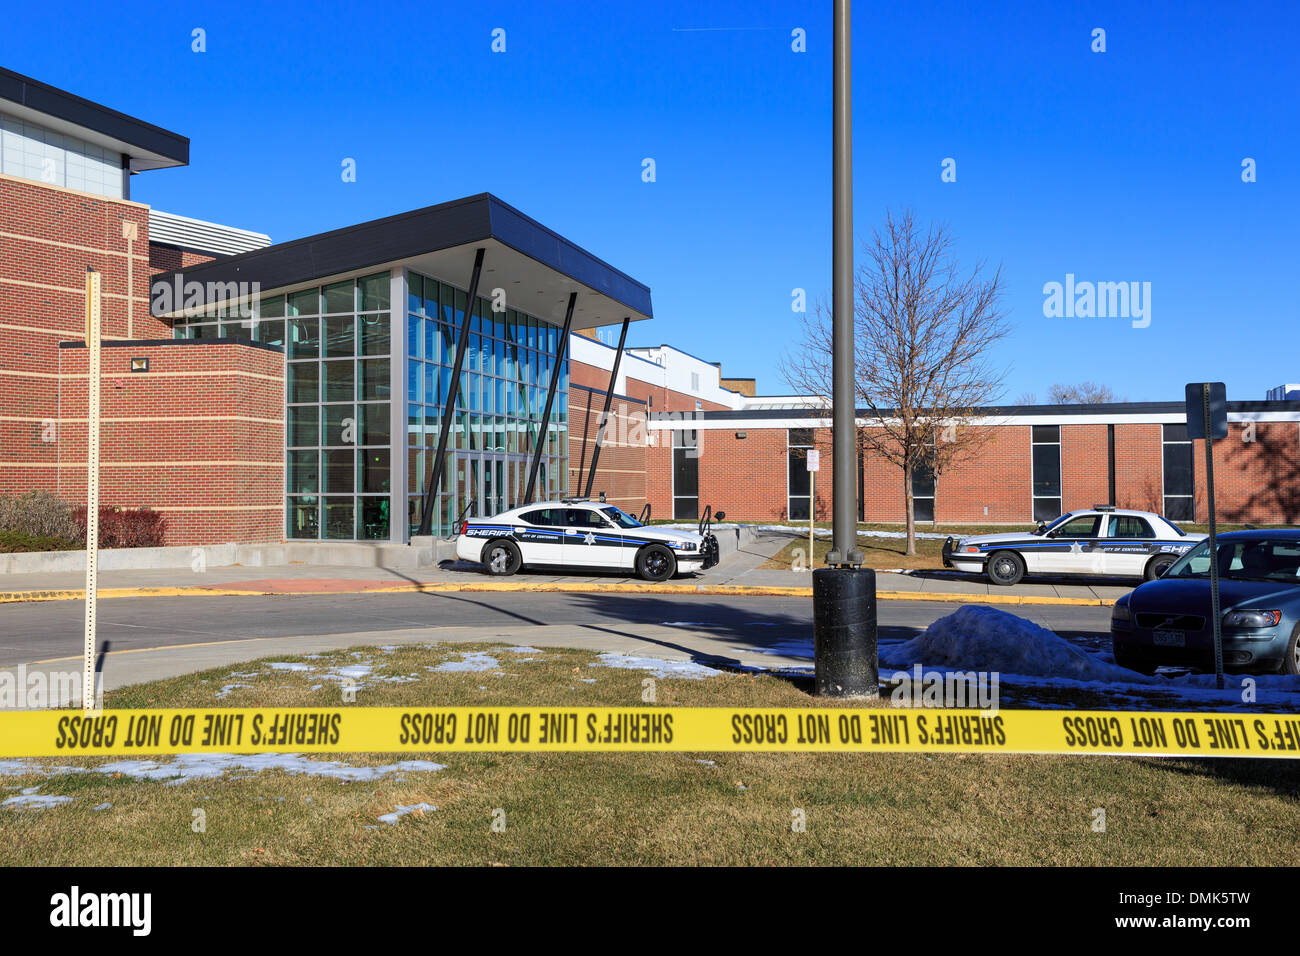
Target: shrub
15	542
123	528
40	514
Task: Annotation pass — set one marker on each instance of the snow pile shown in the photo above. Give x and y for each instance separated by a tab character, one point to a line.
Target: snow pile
982	638
32	800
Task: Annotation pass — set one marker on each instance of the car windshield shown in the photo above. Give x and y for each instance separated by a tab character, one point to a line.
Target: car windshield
1243	559
620	517
1057	521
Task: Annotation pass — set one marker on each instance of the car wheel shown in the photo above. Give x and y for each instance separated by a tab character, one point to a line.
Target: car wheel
656	563
501	558
1291	659
1159	565
1005	568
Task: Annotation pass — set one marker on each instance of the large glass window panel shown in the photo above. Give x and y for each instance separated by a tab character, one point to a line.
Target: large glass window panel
270	331
434	390
303	518
375	334
375	292
306	302
374	379
303	472
340	425
339	297
304	382
414	292
340	470
271	307
374	470
340	380
374	518
340	335
431	298
414	381
304	425
376	423
1047	470
339	518
414	336
304	338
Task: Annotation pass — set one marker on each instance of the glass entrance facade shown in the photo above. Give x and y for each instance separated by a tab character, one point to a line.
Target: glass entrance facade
508	363
348	349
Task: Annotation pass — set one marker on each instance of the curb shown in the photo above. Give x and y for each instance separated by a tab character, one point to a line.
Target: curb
26	597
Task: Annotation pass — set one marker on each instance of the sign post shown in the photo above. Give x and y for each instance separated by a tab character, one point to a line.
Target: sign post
814	463
1207	417
93	333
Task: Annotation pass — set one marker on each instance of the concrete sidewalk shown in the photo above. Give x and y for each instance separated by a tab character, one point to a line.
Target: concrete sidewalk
739	572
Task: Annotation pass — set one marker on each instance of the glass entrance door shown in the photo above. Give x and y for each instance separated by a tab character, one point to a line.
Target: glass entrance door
493	481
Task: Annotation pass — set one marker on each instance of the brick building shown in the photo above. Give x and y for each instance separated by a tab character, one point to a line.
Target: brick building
300	390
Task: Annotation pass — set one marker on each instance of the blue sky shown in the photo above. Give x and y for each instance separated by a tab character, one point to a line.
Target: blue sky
1115	166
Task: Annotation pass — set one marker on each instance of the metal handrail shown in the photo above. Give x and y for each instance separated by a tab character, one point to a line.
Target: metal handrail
706	519
644	517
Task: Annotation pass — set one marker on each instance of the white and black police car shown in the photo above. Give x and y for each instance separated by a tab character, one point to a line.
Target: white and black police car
578	534
1103	541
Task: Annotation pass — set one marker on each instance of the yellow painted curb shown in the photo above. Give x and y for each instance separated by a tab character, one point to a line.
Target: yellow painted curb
19	597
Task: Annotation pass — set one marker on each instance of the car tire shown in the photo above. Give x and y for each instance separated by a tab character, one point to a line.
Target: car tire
501	558
1158	566
1291	657
655	563
1005	568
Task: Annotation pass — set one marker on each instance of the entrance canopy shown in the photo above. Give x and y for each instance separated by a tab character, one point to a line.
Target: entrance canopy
537	268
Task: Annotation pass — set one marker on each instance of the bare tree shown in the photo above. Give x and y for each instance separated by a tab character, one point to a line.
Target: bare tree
1085	393
923	331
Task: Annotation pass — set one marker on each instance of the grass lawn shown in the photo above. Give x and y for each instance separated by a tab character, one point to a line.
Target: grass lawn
670	808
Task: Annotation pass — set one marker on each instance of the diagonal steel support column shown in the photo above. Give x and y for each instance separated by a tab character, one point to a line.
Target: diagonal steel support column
609	399
550	398
449	407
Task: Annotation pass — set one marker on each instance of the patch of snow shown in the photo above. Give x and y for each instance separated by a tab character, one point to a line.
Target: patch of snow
103	806
657	666
470	661
290	666
399	812
522	649
186	767
31	800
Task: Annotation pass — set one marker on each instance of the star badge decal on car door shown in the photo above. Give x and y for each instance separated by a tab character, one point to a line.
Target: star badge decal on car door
1076	548
590	538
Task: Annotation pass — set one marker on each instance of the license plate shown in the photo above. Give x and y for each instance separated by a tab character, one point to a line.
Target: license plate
1170	639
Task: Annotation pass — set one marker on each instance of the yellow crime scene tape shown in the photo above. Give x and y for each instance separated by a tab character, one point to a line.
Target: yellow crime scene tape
66	733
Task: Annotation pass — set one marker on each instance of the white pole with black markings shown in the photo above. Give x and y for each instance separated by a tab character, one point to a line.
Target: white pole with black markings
93	332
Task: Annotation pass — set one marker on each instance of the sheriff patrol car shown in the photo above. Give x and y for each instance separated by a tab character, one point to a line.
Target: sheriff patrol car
1102	541
577	534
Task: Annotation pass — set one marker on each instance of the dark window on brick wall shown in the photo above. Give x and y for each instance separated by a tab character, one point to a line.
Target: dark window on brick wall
686	475
1179	495
1046	451
798	486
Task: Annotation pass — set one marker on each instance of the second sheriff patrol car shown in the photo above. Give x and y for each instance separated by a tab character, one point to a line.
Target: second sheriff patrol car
575	533
1101	541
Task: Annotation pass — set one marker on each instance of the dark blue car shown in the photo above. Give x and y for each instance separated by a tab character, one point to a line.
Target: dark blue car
1168	621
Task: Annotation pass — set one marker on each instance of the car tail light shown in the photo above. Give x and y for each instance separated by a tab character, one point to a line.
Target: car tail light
464	527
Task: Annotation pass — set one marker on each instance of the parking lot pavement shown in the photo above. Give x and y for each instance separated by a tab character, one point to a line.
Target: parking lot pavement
741	570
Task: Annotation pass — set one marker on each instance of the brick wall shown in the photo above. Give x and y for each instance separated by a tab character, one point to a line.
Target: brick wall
199	437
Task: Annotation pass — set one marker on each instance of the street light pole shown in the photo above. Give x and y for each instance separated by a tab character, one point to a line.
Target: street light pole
844	594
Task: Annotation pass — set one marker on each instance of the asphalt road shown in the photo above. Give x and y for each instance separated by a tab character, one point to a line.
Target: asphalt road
41	631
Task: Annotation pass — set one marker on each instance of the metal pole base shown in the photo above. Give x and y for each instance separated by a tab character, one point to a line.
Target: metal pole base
844	621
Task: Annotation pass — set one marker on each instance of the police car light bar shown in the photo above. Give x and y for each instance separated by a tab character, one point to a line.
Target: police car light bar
1103	507
572	501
